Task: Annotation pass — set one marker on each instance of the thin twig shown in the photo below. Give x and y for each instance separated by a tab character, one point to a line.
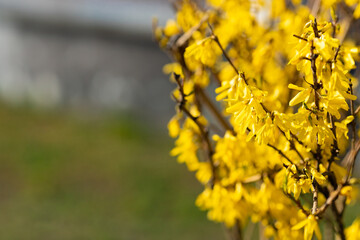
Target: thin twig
203	131
237	230
353	123
316	87
333	24
333	196
186	36
335	147
216	39
214	110
313	58
339	221
336	54
298	203
315	197
299	37
280	152
216	77
354	146
350	159
347	21
357	110
315	7
252	179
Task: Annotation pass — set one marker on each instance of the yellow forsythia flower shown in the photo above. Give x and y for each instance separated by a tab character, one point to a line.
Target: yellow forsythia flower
353	232
203	51
310	226
279	121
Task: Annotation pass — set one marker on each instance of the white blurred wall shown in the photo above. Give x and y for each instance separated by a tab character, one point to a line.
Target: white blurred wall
91	54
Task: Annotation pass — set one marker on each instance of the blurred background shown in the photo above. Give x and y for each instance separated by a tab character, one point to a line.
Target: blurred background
84	151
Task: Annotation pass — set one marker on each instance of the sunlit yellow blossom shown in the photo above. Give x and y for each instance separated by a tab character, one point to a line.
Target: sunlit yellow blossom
269	144
204	173
174	127
353	231
310	226
204	51
171	28
188	16
302	96
317	176
350	193
171	68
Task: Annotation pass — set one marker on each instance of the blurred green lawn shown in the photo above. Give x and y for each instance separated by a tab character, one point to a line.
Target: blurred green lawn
81	176
63	176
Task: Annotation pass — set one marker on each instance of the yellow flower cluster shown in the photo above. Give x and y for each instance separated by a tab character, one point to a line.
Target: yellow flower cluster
278	144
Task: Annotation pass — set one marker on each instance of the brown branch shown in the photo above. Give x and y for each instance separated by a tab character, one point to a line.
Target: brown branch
252	179
350	159
306	58
237	232
348	18
280	152
293	147
301	143
336	54
339	221
186	36
315	197
316	31
154	25
216	39
316	87
298	203
216	77
203	130
214	110
335	147
333	24
299	37
353	123
315	7
275	148
333	196
357	110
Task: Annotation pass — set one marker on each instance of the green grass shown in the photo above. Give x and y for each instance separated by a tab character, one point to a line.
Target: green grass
68	177
80	176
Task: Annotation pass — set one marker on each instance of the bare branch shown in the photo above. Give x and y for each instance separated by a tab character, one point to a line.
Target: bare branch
298	203
315	197
280	152
216	39
357	110
316	87
203	130
333	196
214	110
186	36
299	37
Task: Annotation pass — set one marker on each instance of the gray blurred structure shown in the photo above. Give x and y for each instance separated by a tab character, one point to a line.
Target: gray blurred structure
85	53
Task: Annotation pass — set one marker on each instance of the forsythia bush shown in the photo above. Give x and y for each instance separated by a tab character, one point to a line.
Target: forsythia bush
280	145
